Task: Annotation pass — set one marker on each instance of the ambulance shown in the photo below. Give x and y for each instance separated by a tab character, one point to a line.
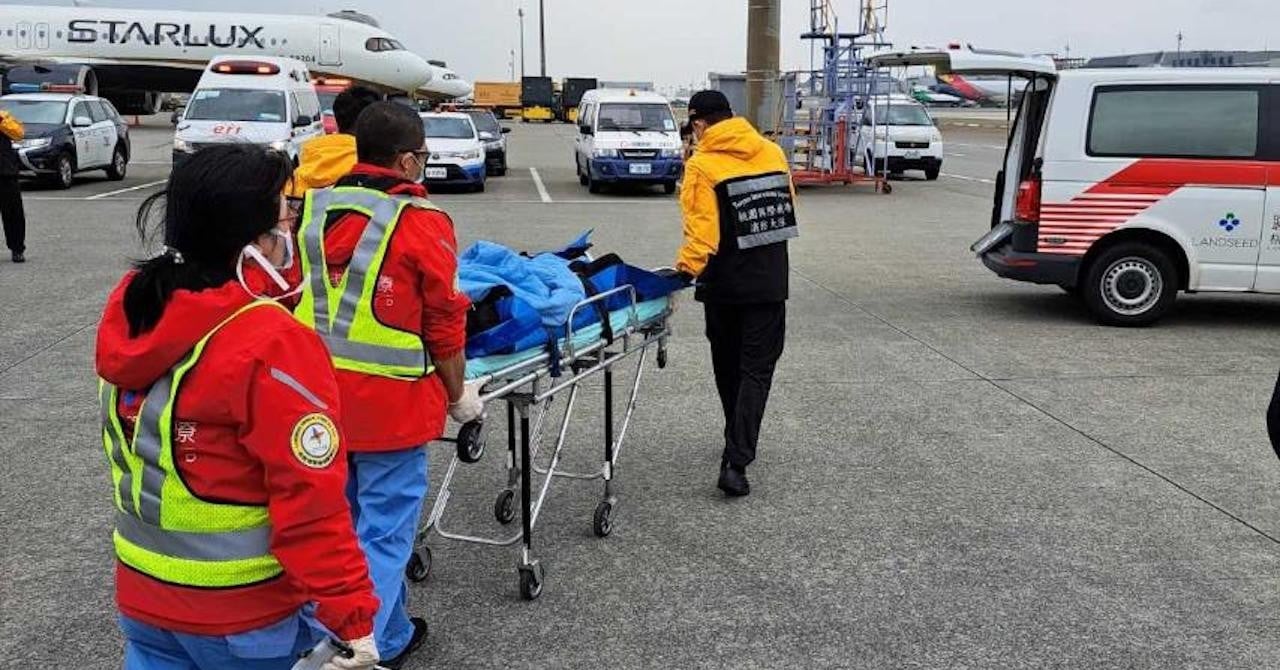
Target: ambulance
259	100
1127	186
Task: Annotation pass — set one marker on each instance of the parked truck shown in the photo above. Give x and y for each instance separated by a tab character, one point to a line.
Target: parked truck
538	98
571	94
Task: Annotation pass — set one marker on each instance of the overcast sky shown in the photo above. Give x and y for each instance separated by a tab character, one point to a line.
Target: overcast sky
677	42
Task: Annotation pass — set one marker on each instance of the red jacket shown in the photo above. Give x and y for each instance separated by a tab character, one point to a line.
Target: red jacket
416	292
233	433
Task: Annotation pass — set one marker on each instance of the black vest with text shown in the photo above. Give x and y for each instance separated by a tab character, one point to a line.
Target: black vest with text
757	217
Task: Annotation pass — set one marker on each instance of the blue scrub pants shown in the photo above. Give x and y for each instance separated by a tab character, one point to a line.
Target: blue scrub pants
275	647
386	491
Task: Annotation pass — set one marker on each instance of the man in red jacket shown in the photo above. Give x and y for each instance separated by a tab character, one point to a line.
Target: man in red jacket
382	292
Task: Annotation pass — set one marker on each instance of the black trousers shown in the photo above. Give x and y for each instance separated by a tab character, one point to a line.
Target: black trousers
746	343
15	219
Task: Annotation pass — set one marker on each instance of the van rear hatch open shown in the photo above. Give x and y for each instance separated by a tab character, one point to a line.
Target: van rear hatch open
1018	177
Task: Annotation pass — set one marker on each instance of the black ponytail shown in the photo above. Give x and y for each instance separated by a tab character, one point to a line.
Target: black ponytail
216	202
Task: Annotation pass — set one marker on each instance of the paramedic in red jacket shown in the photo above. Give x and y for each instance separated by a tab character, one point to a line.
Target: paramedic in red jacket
220	422
400	360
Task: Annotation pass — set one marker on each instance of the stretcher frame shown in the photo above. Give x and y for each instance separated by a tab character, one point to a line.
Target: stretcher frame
527	388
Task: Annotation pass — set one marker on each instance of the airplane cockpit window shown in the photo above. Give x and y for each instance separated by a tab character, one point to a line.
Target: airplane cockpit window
236	104
36	112
382	44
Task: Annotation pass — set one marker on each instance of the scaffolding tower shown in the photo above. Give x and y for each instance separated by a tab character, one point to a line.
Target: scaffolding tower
821	117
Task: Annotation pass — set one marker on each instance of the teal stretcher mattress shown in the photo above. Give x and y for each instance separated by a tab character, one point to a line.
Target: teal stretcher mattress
619	319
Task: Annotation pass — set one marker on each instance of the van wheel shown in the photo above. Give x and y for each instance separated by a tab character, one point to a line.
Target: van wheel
119	165
669	187
1130	284
932	173
582	176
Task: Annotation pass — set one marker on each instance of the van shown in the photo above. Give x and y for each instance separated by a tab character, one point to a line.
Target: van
1126	186
627	137
904	137
259	100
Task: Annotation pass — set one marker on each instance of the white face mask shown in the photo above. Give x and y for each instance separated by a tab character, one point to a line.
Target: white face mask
273	271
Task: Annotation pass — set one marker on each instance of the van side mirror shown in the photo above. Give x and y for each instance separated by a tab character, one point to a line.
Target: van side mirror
505	130
302	121
81	122
585	129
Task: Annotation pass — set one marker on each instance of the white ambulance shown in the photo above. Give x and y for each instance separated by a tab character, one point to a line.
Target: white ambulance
260	100
1125	186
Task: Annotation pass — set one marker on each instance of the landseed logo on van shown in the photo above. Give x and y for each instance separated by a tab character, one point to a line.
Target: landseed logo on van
1228	224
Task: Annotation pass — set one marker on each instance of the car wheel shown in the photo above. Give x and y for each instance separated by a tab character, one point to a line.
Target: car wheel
1130	284
932	173
500	172
65	171
119	164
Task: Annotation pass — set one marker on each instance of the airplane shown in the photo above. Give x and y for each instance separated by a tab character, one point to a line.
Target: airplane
131	56
999	91
445	84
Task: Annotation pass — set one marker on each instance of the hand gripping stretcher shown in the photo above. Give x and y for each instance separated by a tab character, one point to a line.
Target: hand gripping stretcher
525	382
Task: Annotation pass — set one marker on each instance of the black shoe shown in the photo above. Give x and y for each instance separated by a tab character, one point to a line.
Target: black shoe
18	257
734	482
419	636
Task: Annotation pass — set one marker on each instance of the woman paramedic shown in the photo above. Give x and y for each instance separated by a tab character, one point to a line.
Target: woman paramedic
233	538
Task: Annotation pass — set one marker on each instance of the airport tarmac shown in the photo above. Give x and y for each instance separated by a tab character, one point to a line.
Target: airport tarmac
956	471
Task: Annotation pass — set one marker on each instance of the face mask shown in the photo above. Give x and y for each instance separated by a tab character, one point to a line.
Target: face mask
273	271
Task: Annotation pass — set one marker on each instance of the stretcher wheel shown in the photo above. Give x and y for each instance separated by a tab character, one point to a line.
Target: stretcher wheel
602	523
419	567
471	442
886	188
504	508
531	581
662	359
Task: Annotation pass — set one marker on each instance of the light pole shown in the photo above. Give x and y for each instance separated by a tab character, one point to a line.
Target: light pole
542	35
520	13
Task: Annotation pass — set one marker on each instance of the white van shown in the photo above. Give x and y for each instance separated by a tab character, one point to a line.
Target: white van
904	137
627	137
259	100
1125	186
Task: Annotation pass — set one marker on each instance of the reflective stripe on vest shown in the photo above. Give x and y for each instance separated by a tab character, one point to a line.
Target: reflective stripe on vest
162	529
343	314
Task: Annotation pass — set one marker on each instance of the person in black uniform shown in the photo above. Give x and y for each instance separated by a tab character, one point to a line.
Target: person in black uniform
739	213
15	219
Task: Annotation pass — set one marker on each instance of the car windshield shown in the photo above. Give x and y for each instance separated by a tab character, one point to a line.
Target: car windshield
36	111
905	114
236	104
485	122
447	127
636	116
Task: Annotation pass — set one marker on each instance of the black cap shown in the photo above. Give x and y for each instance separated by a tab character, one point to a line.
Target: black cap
708	102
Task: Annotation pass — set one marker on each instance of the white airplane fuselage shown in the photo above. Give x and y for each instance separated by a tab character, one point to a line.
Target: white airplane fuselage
155	49
445	85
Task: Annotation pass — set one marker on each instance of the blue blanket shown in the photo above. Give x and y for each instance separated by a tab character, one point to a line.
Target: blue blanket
544	282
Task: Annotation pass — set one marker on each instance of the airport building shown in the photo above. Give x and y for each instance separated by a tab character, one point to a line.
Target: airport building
1190	59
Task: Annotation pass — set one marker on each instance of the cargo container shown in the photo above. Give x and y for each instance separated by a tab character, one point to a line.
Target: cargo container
499	96
538	98
571	94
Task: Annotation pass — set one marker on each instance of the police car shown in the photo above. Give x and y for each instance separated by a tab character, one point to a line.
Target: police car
68	132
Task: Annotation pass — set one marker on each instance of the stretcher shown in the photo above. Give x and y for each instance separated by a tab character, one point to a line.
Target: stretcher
527	384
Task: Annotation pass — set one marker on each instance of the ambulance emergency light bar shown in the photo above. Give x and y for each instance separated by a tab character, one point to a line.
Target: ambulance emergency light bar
245	67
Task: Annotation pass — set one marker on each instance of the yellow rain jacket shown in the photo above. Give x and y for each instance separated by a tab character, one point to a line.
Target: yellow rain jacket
737	185
322	162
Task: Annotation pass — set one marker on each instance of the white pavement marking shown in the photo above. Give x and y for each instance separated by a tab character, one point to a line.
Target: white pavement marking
139	187
980	180
542	189
959	155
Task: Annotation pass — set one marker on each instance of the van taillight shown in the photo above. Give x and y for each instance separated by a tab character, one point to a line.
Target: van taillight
1028	205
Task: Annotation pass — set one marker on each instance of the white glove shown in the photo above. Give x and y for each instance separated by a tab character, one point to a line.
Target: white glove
468	408
364	656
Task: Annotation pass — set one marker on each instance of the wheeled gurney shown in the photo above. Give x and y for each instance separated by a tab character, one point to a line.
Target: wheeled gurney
527	383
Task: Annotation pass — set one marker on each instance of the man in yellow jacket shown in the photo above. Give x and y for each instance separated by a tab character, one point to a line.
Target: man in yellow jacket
739	211
15	219
326	159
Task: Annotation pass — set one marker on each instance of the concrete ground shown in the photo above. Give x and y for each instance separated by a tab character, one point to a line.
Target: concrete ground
956	471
